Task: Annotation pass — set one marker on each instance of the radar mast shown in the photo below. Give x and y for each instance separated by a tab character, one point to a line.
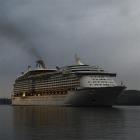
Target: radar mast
77	60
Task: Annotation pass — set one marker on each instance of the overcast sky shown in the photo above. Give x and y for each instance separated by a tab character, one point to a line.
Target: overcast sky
101	32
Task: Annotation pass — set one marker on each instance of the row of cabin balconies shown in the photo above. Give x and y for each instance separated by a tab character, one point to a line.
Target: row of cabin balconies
46	84
43	92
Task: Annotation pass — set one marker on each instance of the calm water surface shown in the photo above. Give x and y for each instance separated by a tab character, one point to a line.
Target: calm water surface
66	123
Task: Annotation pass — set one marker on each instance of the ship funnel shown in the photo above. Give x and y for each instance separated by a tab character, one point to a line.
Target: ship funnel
77	60
40	64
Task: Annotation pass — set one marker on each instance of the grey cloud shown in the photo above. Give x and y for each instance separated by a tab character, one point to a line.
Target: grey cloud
102	32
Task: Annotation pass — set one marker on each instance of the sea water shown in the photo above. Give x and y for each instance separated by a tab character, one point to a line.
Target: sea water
69	123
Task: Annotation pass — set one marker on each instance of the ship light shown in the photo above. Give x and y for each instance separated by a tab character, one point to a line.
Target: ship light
23	95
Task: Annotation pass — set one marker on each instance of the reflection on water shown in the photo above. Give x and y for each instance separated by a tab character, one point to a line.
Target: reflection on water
66	123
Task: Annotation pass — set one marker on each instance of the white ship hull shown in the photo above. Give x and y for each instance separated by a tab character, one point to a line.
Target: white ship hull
84	97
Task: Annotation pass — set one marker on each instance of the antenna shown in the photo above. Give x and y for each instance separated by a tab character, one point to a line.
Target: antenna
77	60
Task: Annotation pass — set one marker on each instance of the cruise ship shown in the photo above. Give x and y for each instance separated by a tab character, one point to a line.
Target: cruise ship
75	85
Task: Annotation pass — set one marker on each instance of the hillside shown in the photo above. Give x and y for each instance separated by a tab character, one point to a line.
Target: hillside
129	97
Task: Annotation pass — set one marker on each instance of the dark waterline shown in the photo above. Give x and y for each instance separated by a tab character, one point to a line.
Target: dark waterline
66	123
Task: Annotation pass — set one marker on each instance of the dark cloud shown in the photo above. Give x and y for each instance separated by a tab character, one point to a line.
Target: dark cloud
102	32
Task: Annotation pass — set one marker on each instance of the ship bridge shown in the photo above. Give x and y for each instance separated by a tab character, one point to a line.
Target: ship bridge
87	70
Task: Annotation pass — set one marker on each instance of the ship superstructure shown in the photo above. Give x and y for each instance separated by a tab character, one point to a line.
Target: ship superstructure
75	85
